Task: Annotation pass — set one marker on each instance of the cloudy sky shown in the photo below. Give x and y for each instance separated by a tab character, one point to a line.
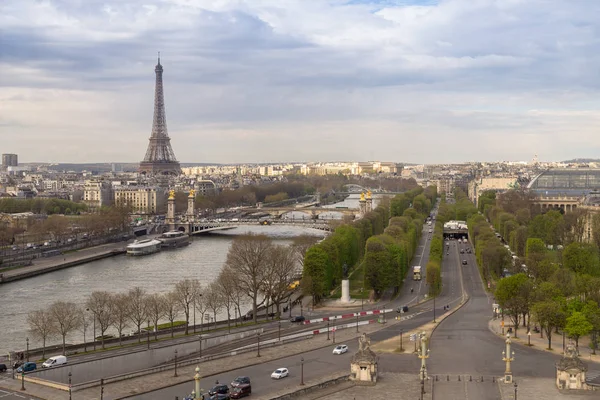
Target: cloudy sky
302	80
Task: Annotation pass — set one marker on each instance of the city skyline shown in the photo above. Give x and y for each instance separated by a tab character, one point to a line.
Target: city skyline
255	82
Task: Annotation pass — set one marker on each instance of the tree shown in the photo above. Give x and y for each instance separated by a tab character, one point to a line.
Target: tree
138	312
66	317
213	299
155	307
591	310
550	315
120	309
511	296
41	325
172	308
100	304
301	244
582	258
535	252
577	326
246	257
226	286
186	291
279	274
201	307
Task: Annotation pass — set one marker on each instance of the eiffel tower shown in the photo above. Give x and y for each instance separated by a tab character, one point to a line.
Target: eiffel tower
160	159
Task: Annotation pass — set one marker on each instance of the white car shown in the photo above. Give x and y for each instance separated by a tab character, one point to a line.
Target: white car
280	373
341	349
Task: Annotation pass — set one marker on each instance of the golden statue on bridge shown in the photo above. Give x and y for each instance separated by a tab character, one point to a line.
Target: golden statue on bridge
171	195
362	196
369	194
192	194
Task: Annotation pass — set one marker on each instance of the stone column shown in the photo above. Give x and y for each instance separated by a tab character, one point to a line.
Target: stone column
190	209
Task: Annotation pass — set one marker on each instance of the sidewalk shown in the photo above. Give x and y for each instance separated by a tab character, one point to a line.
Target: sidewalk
539	343
156	381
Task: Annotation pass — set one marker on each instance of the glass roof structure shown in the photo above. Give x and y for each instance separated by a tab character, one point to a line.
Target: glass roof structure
566	182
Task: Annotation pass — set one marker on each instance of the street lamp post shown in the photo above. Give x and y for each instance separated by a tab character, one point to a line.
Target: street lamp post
200	344
69	385
422	382
302	371
198	391
423	355
23	380
334	331
279	330
175	375
434	308
506	357
290	306
328	329
27	354
356	322
148	335
515	390
401	332
258	344
362	300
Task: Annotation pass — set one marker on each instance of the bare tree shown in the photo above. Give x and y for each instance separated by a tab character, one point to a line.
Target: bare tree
226	286
138	310
281	268
213	299
100	304
85	324
201	307
172	308
246	257
41	325
301	245
155	307
230	280
67	318
120	308
185	292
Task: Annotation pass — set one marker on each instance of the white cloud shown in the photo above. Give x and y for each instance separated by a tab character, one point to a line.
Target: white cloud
270	80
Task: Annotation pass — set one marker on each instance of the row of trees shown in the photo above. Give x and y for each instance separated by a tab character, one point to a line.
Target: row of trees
557	276
40	206
387	255
327	262
256	269
553	305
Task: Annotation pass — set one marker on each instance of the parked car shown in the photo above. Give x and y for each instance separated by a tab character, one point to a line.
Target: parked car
340	349
240	380
464	262
28	366
298	318
241	391
280	373
219	389
54	361
3	368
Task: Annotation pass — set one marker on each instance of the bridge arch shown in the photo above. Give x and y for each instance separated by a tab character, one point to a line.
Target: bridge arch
354	188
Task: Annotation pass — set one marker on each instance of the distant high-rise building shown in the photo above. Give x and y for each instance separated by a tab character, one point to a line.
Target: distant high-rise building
160	158
10	160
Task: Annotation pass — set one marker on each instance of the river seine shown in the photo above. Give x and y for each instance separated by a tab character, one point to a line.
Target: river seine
202	260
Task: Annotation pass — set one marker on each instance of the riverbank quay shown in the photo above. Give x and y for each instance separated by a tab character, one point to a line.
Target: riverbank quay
151	382
67	260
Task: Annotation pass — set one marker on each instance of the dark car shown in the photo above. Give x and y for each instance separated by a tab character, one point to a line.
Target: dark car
28	366
403	309
218	389
464	262
240	380
3	367
298	318
241	391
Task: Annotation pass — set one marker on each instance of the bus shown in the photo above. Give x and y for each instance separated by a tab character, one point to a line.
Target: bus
417	273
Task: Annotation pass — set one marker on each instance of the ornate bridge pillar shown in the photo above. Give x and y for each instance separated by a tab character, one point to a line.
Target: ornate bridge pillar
170	219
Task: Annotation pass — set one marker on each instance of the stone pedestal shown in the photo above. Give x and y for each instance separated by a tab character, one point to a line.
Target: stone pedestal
570	371
345	291
363	366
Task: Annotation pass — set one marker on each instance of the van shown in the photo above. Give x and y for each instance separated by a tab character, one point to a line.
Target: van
54	361
241	391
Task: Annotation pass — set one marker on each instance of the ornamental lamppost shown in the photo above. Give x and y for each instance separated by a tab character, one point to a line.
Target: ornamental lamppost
423	354
175	374
506	357
302	371
200	345
515	390
258	344
328	329
27	340
279	330
69	385
198	390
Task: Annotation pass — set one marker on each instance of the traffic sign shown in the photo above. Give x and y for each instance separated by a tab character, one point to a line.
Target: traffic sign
413	337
